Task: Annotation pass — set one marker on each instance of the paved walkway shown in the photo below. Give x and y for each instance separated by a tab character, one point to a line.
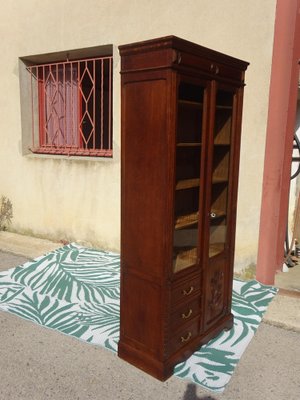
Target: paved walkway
25	246
39	364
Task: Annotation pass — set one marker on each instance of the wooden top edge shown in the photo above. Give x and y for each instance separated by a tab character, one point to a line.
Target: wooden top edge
177	43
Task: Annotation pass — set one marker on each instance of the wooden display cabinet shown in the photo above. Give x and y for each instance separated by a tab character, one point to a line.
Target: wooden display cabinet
181	121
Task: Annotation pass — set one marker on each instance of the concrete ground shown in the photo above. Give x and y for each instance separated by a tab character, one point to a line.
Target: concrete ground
37	363
284	310
25	246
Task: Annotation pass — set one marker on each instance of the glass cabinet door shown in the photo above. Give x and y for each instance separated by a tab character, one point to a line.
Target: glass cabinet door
188	165
220	172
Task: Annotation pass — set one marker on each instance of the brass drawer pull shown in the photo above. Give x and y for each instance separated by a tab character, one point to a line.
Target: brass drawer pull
188	292
187	338
187	315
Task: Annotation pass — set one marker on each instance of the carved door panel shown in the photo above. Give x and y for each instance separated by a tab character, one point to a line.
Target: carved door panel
215	297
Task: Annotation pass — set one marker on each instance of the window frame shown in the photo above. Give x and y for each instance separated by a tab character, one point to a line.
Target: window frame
32	88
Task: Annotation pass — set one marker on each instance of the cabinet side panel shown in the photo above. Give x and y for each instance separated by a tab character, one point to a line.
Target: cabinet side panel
141	323
145	185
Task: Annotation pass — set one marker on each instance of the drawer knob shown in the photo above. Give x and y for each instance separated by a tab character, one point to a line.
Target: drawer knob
187	315
186	292
214	68
176	57
186	338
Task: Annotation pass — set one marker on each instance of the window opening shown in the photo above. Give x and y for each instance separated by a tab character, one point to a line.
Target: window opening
72	107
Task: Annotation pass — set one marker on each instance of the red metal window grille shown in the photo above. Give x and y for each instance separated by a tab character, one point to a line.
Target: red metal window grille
72	107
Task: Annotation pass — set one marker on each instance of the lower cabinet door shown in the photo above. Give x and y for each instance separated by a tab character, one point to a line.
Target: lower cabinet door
215	293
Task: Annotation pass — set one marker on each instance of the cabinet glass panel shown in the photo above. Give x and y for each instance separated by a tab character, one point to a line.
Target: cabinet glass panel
220	172
188	161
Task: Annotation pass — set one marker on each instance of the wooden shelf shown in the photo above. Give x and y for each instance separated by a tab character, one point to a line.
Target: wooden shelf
215	249
184	221
189	144
184	258
189	103
219	107
217	180
221	144
188	183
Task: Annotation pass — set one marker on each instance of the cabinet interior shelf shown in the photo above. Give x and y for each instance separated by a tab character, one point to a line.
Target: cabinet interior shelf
188	183
220	107
190	103
184	221
215	248
217	180
184	258
189	144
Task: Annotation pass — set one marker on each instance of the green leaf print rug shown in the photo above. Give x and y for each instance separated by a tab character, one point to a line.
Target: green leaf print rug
76	291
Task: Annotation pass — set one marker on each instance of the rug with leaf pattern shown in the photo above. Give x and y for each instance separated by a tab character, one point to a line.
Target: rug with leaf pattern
76	291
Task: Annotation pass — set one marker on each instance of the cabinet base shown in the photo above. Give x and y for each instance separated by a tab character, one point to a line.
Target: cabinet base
162	370
157	369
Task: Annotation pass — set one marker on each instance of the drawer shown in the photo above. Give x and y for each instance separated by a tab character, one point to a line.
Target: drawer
185	290
184	335
210	66
185	313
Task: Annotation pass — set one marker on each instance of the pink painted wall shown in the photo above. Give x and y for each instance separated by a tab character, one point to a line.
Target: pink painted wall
279	139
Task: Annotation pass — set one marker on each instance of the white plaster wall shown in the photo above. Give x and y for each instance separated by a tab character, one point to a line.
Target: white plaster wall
66	199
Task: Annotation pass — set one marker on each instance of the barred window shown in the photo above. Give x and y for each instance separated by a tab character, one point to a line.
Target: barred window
71	104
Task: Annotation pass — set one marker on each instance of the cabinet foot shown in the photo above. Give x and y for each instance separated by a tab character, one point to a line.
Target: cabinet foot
229	324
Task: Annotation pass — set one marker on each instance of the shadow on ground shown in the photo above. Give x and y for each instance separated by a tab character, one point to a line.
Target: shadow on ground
190	394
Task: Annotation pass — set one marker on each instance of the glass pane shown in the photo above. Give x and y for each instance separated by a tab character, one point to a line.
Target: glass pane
220	173
188	161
